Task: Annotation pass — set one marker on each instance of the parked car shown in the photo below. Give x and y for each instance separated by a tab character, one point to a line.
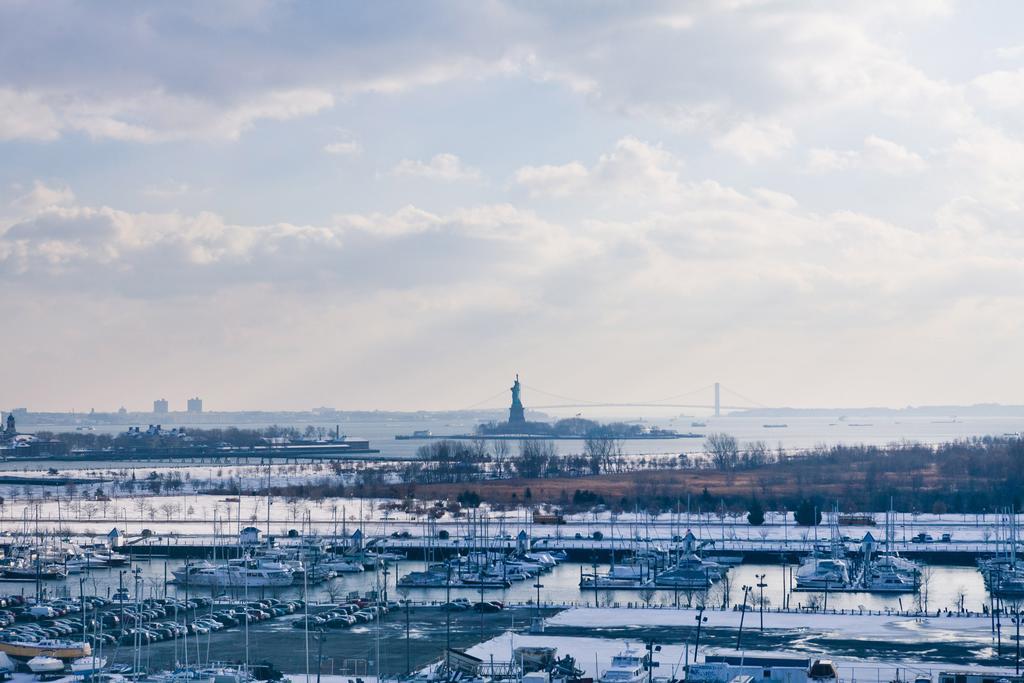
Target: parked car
486	607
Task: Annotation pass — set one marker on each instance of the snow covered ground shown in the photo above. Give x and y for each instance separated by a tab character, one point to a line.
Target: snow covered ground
890	628
594	654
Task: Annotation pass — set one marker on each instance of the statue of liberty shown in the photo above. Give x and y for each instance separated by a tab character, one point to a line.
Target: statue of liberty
516	414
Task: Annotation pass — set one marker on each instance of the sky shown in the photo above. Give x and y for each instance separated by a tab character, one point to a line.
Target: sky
399	205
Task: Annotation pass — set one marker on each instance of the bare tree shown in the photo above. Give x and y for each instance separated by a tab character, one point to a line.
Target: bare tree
927	574
647	594
723	451
500	453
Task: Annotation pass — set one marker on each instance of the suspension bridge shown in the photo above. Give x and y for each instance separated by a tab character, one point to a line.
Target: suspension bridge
712	393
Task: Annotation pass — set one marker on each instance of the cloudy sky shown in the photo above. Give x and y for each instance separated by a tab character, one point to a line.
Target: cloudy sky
399	205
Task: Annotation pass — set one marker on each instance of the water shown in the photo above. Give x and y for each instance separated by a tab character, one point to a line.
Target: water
800	432
560	586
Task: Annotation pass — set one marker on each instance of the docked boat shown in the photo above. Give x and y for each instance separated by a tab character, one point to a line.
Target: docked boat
344	566
29	571
43	665
482	580
224	576
722	668
58	649
626	667
690	572
84	666
823	573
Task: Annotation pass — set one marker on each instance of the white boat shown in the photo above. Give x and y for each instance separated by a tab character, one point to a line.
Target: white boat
690	572
626	667
344	567
43	664
721	668
84	563
885	579
823	573
87	665
233	575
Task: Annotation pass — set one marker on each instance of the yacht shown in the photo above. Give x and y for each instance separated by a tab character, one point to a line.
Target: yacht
44	665
885	579
626	667
59	649
344	566
30	571
84	666
690	572
823	573
235	575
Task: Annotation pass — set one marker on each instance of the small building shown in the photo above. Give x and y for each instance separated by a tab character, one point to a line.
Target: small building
522	542
464	663
689	542
114	538
250	536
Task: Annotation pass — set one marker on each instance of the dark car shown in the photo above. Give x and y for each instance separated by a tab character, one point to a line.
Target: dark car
486	607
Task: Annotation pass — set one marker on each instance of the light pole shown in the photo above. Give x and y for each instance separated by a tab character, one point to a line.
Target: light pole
405	599
1016	622
761	584
700	620
537	625
651	664
448	620
743	613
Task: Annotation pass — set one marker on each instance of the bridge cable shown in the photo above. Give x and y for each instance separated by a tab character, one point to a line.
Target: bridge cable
688	393
489	398
745	398
564	398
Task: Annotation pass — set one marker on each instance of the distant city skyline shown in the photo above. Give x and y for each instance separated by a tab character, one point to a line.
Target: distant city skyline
399	206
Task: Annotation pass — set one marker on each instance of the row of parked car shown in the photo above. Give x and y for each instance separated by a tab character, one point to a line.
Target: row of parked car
152	620
464	604
345	615
204	623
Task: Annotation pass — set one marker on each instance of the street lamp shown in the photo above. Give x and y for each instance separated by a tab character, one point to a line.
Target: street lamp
537	625
448	620
701	619
743	613
651	664
761	584
1016	618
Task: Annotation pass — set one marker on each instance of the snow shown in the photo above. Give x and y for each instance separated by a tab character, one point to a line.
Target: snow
593	655
852	626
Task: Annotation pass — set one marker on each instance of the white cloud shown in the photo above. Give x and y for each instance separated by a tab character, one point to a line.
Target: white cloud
26	116
442	167
1010	52
1001	89
753	141
347	148
633	169
553	181
172	189
42	196
877	155
891	157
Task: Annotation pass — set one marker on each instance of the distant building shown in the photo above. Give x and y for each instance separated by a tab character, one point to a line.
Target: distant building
195	405
160	406
10	430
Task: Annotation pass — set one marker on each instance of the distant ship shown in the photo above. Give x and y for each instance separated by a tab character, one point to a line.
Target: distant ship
775	426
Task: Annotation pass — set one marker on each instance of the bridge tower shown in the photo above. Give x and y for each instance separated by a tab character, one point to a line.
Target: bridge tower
718	401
